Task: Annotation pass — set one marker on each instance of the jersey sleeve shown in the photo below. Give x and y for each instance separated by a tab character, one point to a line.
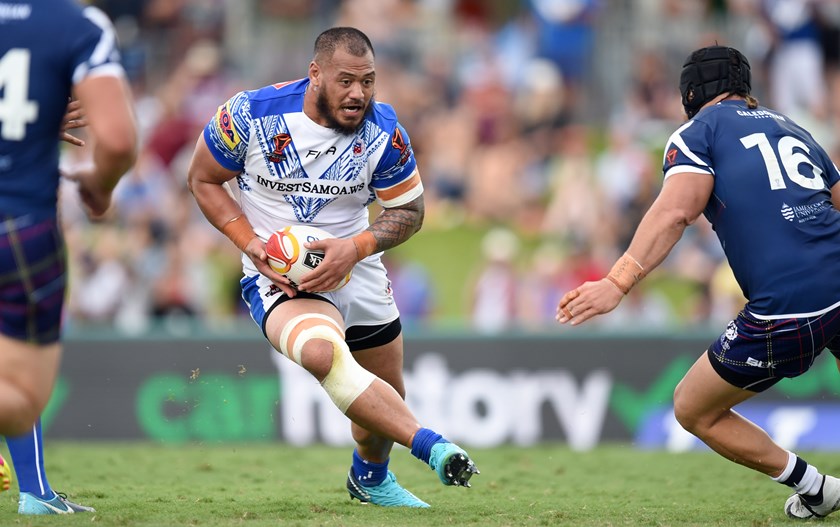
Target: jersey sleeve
228	132
396	180
95	49
688	150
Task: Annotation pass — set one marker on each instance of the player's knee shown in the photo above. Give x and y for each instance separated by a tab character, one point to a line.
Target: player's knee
19	424
297	339
691	417
683	411
321	341
316	356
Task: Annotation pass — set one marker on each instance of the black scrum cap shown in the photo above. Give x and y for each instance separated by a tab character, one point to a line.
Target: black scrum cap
710	71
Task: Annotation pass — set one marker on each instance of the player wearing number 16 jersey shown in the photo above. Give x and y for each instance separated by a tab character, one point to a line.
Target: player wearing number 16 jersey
771	193
50	50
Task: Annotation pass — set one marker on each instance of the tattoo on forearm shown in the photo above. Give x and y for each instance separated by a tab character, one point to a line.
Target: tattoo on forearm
394	226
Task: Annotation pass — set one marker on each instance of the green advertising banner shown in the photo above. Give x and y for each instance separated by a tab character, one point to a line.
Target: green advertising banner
477	390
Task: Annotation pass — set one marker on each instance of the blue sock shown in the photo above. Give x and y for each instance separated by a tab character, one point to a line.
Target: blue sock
28	458
424	440
368	473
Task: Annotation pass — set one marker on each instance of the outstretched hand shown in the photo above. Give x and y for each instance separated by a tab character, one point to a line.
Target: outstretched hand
588	300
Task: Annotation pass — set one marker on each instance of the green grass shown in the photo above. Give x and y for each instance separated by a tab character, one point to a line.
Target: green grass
140	484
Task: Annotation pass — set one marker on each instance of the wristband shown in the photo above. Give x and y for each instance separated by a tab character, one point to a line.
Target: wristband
626	273
239	232
365	243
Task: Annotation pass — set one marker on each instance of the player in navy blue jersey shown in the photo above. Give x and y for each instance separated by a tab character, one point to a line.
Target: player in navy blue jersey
50	50
771	194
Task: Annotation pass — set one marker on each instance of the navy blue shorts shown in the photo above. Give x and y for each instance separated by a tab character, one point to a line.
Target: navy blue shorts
32	278
756	354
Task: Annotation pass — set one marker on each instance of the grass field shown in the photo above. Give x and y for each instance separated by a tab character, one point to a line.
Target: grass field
255	485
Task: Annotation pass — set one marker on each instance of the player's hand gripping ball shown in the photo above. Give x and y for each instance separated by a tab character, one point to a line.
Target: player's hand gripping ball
288	257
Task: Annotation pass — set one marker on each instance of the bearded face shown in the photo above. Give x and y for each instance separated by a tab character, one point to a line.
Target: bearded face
342	115
344	89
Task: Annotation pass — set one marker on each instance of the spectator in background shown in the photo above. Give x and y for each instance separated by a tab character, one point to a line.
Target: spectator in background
565	35
797	74
494	293
413	290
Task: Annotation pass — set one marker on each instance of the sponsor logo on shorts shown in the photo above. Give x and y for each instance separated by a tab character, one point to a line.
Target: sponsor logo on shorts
729	335
756	363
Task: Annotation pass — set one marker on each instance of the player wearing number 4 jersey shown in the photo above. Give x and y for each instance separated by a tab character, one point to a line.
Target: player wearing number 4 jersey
50	50
318	151
772	196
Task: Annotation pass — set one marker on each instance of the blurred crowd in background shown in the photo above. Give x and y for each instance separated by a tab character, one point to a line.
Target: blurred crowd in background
540	123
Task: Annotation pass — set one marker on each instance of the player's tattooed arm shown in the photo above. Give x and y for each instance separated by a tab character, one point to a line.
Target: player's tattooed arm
396	225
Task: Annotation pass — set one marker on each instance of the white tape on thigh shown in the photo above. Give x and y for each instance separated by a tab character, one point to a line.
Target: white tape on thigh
294	353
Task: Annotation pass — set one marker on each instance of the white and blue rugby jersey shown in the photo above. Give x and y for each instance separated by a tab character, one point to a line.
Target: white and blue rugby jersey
46	47
770	207
294	171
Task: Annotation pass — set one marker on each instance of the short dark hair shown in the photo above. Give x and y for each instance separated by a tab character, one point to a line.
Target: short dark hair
348	38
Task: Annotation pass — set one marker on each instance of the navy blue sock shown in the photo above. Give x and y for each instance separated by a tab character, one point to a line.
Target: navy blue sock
368	473
424	440
27	453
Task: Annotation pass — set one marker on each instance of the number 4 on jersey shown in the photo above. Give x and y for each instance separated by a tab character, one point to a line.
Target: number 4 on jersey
16	111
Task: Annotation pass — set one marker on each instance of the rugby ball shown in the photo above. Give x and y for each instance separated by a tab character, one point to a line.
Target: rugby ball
288	256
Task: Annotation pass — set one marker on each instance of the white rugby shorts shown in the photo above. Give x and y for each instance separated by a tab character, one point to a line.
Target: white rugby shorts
366	300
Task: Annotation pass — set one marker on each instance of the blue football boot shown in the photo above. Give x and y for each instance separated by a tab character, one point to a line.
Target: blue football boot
452	464
389	493
31	504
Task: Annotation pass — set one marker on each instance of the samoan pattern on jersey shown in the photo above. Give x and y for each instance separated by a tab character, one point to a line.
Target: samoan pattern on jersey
347	166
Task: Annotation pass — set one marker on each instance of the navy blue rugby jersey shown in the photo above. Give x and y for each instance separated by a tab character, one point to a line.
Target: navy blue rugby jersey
771	205
46	47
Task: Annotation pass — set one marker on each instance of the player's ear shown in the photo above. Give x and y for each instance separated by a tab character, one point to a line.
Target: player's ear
314	73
